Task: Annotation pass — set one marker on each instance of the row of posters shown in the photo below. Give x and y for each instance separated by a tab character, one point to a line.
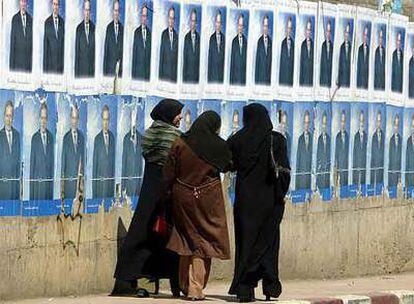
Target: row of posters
340	149
207	49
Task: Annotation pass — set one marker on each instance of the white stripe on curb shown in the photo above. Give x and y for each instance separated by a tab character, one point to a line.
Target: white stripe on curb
354	299
405	296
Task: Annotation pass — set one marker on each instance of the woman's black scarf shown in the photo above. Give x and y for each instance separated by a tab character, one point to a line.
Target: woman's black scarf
166	110
250	140
203	139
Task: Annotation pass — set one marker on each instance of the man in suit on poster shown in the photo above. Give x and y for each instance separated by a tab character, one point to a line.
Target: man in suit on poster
306	58
394	166
114	43
104	160
169	50
411	74
363	61
323	156
238	55
377	152
344	72
397	66
73	155
409	156
54	42
216	52
304	155
287	56
10	157
42	160
141	54
264	55
131	159
342	152
380	58
284	123
191	56
85	44
359	163
325	78
21	40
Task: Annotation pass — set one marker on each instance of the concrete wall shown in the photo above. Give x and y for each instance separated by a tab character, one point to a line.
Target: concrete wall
55	256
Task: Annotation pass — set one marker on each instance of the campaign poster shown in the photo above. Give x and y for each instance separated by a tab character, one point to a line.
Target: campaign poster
408	151
190	114
211	105
410	62
379	64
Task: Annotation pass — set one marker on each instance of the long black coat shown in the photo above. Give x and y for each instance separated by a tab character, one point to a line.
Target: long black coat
409	163
344	73
258	212
10	166
363	68
103	166
85	51
114	48
191	57
42	167
377	158
71	158
263	69
238	61
304	162
287	63
168	57
359	163
323	162
411	78
141	55
341	157
216	59
379	77
21	44
394	166
131	164
325	77
54	46
306	65
397	72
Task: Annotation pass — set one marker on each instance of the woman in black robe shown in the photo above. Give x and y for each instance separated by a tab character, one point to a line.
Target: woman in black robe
143	253
259	203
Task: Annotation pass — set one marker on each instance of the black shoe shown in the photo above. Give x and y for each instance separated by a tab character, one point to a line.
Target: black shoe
245	299
272	289
123	288
142	293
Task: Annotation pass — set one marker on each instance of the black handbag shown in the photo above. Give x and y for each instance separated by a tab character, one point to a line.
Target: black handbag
281	174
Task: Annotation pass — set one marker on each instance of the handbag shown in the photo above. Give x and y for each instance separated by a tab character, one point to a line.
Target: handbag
161	226
281	174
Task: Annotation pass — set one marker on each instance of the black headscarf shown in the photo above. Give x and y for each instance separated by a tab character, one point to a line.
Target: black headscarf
203	139
249	141
166	110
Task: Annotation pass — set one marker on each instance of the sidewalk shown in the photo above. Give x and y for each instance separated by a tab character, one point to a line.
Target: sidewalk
368	290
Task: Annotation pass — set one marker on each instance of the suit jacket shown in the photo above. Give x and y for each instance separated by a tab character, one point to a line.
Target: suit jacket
306	65
341	157
409	163
288	144
304	163
397	72
42	162
216	58
363	68
132	164
54	46
85	51
325	78
114	48
359	163
323	162
71	158
21	45
191	58
9	166
263	69
377	158
394	166
141	55
379	77
238	61
287	63
411	78
168	57
344	73
103	166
